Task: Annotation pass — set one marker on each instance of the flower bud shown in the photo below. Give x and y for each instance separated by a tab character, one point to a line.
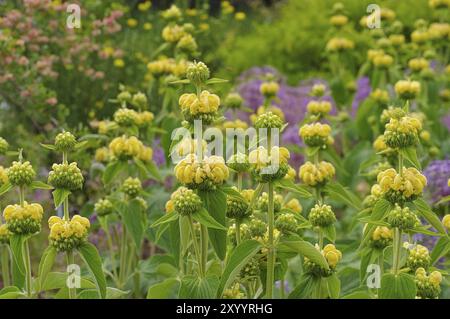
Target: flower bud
257	228
3	176
65	142
268	120
66	176
102	155
446	220
320	108
251	270
139	100
322	216
294	205
233	101
316	174
403	132
316	134
20	174
238	162
3	146
187	44
402	218
132	187
125	117
197	73
185	201
5	234
339	44
318	90
103	207
269	89
332	256
338	20
407	90
237	208
381	237
173	33
262	203
286	223
428	287
124	97
419	257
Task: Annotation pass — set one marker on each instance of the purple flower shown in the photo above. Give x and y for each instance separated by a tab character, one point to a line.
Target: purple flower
362	92
437	174
158	153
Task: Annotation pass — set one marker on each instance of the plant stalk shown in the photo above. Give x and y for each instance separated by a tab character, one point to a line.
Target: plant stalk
271	248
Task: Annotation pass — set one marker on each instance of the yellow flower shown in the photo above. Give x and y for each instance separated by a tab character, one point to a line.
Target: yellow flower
3	176
169	206
339	20
132	22
319	107
332	255
446	219
146	154
206	103
418	64
173	33
269	89
316	134
436	278
240	16
147	26
236	124
102	154
204	26
144	6
410	183
316	174
123	147
294	205
339	44
119	63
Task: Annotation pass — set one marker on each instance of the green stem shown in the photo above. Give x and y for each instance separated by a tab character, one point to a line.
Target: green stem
66	209
123	250
282	288
104	225
239	181
196	248
320	233
204	242
21	196
71	261
400	164
271	248
27	261
397	250
238	232
5	266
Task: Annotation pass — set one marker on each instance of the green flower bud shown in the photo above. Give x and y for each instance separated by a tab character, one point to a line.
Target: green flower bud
392	113
140	100
197	73
185	201
3	146
251	270
5	234
103	207
428	287
65	142
125	117
188	27
268	120
142	203
419	256
21	174
318	90
237	209
427	74
262	203
187	43
321	216
124	97
233	101
245	233
286	223
234	292
66	176
239	163
132	187
403	218
257	228
271	174
315	269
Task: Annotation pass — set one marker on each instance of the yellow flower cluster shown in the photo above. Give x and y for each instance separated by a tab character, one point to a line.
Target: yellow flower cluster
261	158
407	89
127	147
383	60
410	183
381	232
262	109
294	205
17	212
188	146
68	234
319	107
236	124
3	176
316	174
402	132
206	103
316	134
446	220
269	89
291	174
227	7
397	39
167	66
435	4
439	30
418	64
332	255
207	173
4	234
339	44
173	33
380	96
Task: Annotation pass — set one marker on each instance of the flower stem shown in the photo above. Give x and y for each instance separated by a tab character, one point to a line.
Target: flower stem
27	261
239	181
66	209
123	253
104	224
238	232
196	248
397	250
21	196
5	266
271	248
204	242
71	261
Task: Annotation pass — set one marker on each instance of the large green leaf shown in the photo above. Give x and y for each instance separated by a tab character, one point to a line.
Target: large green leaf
203	217
380	210
334	286
216	205
410	155
59	195
11	292
339	193
426	212
441	248
305	287
166	218
306	249
112	170
92	259
239	257
132	218
16	243
194	287
40	185
5	188
111	293
164	290
46	264
58	280
401	286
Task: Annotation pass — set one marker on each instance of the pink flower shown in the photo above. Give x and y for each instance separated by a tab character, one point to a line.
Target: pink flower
23	60
52	101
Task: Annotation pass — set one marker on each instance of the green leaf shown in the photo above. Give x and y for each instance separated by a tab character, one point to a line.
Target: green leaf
203	217
380	210
306	249
92	259
46	264
410	155
239	257
401	286
216	205
194	287
426	212
16	243
58	280
148	169
11	292
5	188
48	146
81	145
311	151
184	81
305	287
154	171
40	185
164	290
59	195
215	81
255	196
166	218
339	193
441	248
112	170
330	232
360	294
334	286
232	192
290	186
132	218
111	293
443	200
